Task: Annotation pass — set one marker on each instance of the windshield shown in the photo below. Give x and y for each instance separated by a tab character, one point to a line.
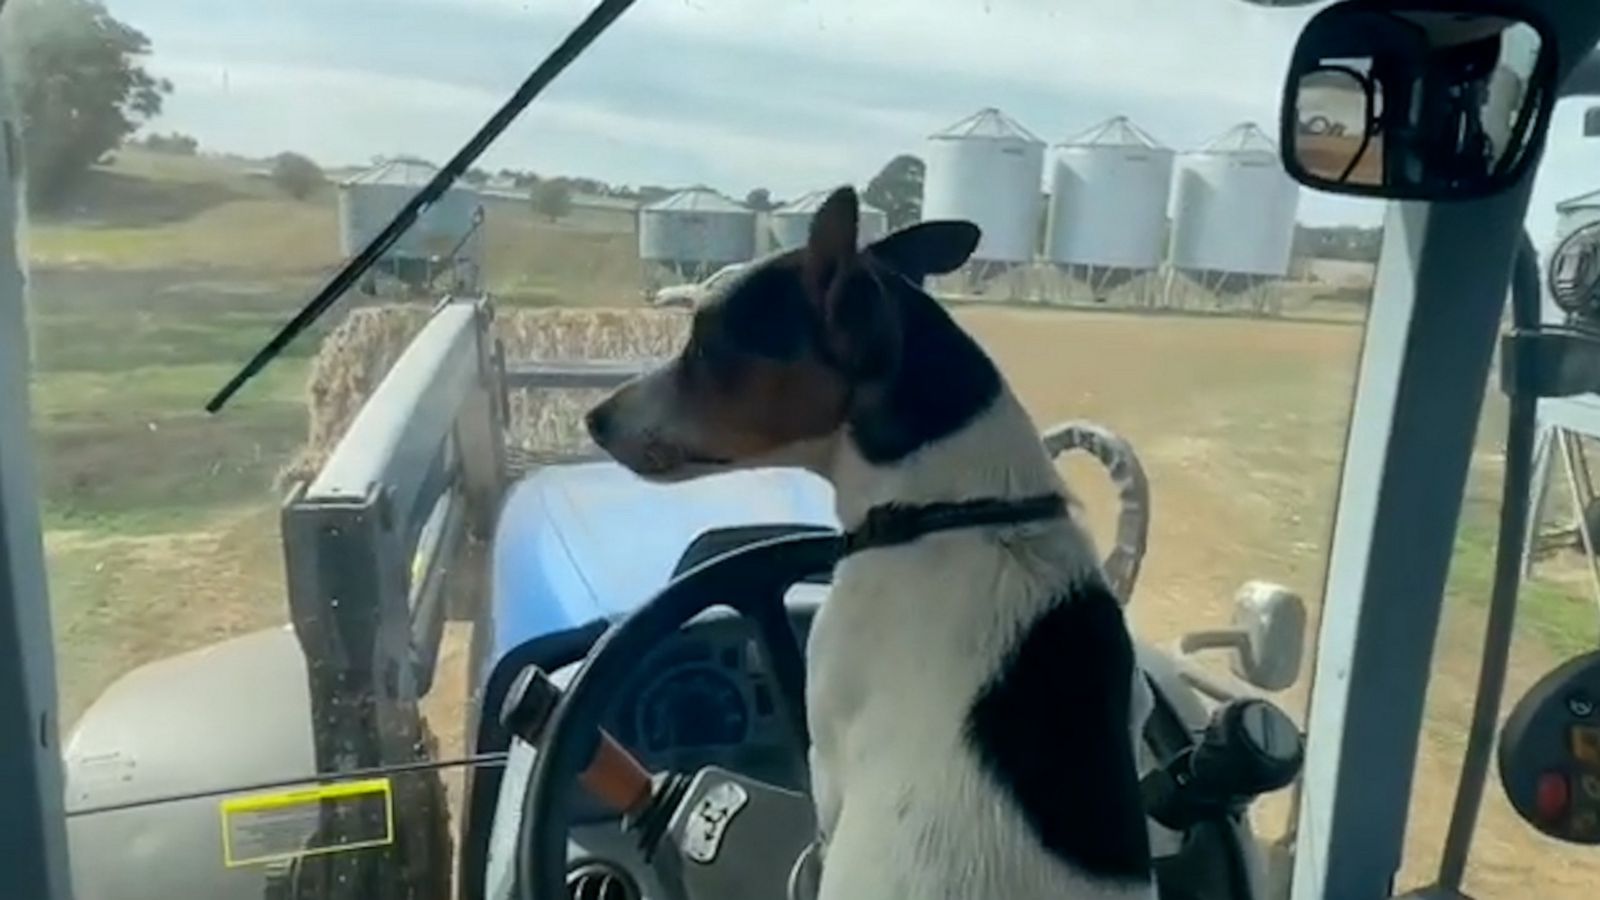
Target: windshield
234	610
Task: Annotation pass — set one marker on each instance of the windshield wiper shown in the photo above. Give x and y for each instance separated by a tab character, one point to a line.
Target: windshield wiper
594	25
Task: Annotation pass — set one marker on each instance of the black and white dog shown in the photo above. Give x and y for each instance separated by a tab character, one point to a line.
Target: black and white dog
972	692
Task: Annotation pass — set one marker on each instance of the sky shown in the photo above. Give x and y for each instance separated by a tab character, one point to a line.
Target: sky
790	95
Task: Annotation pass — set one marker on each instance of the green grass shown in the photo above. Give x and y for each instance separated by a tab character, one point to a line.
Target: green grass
1560	617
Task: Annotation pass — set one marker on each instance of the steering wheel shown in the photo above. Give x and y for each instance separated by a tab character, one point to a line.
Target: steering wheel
753	580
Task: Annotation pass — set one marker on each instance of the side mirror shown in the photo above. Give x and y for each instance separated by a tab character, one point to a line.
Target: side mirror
1266	638
1273	620
1417	99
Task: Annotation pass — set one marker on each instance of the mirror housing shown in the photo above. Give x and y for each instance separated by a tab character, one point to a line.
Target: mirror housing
1273	621
1266	639
1417	99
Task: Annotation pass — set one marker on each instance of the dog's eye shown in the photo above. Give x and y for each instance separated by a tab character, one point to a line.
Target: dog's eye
692	362
708	362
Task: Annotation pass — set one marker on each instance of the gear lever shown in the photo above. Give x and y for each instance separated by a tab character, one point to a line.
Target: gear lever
1249	748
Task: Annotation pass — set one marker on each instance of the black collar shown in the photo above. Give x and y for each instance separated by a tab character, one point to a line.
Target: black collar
893	523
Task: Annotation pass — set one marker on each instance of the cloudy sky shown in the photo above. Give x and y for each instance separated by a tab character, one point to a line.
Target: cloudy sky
784	94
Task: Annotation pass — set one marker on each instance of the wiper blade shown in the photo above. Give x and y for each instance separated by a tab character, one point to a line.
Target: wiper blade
594	25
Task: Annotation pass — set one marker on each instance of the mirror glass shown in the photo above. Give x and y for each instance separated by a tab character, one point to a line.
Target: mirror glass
1414	103
1333	137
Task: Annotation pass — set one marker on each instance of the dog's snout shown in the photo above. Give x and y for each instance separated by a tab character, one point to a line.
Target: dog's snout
601	422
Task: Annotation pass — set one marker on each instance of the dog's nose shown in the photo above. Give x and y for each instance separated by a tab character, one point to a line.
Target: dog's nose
599	423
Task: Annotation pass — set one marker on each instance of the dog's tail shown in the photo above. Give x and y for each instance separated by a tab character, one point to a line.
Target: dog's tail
1133	494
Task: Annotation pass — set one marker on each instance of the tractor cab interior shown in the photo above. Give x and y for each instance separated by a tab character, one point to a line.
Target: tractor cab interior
378	620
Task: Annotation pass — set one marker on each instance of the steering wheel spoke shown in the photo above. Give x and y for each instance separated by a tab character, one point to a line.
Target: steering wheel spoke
785	660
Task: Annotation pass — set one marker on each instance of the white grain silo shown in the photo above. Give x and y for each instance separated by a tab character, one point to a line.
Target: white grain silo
987	169
790	224
1233	212
446	235
695	231
1108	203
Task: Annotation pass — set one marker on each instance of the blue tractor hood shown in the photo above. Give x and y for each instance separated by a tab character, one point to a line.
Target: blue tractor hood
576	543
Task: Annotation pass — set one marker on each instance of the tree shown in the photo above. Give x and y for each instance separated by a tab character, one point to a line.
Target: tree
552	198
79	88
650	193
759	200
296	175
897	190
475	177
176	143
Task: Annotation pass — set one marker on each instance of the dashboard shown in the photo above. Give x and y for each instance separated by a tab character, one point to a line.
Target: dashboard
706	698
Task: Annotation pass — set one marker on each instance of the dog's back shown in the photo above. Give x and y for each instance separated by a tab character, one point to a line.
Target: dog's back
974	702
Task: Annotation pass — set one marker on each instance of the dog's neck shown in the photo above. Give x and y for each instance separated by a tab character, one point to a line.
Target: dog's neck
997	455
947	428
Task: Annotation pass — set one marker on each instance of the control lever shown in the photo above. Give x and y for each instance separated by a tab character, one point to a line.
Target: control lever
614	776
645	802
1249	748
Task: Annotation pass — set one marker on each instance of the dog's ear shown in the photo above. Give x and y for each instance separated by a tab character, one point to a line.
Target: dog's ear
859	321
928	248
831	246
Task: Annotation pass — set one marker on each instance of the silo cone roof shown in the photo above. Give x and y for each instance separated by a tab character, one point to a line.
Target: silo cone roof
1246	137
405	171
1117	131
810	203
698	200
989	123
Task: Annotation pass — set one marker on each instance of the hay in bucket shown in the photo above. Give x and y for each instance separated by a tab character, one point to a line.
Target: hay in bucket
356	356
545	423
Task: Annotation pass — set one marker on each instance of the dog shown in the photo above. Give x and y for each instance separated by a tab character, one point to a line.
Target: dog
972	693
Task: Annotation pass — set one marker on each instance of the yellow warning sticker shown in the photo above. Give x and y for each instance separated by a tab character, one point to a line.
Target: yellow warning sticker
333	818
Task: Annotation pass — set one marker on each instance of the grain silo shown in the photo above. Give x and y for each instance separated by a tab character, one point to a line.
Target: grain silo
1108	203
696	231
987	169
1233	212
448	234
790	223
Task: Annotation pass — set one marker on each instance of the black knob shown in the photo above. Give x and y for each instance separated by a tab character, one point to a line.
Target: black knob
529	701
1250	748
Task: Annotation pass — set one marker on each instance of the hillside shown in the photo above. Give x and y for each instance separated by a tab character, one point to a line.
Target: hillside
152	212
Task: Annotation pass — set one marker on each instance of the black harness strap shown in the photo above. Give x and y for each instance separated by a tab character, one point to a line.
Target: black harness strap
893	524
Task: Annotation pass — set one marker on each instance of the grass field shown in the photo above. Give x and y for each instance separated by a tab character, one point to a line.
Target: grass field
161	520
